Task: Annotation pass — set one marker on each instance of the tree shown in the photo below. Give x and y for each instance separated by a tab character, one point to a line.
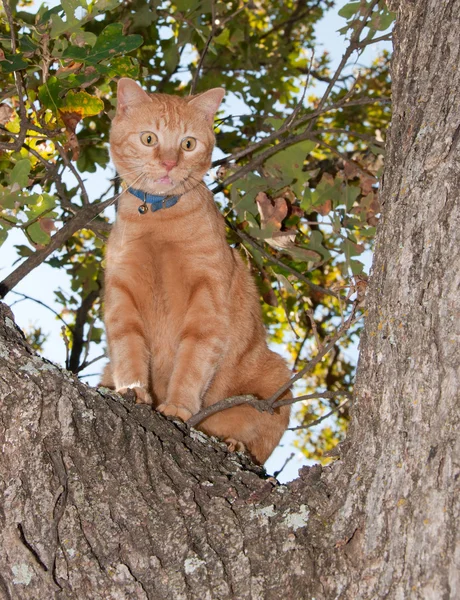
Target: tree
298	182
105	499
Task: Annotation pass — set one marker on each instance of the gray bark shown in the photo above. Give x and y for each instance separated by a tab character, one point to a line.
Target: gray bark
105	499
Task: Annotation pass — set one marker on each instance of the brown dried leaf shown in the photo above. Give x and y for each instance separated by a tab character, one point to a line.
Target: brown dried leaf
71	120
325	208
71	67
281	239
268	293
366	184
350	170
6	113
47	225
271	212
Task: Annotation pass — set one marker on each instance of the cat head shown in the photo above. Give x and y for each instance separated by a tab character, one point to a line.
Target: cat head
162	144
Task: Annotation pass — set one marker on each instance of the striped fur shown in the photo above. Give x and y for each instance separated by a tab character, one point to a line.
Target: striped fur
182	313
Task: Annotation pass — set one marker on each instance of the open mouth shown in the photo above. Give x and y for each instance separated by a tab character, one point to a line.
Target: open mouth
165	179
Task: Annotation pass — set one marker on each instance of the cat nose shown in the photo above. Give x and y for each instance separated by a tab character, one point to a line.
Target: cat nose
169	164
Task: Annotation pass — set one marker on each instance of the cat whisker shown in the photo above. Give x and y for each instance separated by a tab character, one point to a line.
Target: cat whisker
137	169
115	198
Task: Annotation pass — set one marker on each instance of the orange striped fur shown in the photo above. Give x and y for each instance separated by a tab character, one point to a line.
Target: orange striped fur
182	314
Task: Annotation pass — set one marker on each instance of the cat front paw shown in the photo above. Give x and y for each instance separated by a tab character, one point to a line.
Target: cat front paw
173	410
234	445
142	395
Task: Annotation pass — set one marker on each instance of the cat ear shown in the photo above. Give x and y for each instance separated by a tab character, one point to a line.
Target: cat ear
129	92
208	102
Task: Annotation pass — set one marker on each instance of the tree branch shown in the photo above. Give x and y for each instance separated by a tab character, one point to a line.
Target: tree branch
205	49
260	405
324	417
16	145
77	222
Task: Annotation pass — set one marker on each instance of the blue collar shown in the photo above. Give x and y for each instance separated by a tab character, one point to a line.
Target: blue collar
156	202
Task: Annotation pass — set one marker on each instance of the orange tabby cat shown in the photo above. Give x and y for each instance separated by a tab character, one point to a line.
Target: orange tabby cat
182	313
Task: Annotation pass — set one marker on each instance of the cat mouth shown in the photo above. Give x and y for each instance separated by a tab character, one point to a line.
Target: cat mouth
166	179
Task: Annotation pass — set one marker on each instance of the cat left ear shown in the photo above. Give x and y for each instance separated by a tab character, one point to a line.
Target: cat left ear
129	92
208	102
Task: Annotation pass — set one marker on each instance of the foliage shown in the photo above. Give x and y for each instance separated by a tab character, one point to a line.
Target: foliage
299	184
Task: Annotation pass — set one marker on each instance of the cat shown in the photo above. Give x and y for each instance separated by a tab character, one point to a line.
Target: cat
182	313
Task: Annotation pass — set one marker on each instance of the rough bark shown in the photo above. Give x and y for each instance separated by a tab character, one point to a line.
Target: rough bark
105	499
400	507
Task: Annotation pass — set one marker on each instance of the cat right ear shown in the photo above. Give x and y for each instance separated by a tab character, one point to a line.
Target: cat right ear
129	93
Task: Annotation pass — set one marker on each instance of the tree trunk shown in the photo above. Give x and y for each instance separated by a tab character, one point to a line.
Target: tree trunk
105	499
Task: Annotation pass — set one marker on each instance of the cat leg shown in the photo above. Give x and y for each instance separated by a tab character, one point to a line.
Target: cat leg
259	431
129	356
201	347
107	378
245	428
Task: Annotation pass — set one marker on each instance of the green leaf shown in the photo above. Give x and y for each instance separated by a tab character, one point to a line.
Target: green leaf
350	249
82	103
20	172
121	66
58	26
349	10
289	163
104	5
110	42
356	267
351	193
39	204
81	38
24	251
171	56
49	93
12	62
315	243
3	233
324	191
37	235
187	5
222	38
144	16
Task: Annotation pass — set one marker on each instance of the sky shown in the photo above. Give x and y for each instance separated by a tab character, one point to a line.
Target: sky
44	280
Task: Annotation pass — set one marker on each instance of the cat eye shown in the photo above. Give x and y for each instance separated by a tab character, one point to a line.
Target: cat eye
148	138
188	143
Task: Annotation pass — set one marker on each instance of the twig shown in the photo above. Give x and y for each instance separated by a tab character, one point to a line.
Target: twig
299	351
323	418
67	346
81	318
205	49
260	405
362	136
291	118
76	174
342	103
25	297
222	405
312	363
16	145
286	312
343	157
90	362
353	45
313	326
316	288
286	462
382	38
